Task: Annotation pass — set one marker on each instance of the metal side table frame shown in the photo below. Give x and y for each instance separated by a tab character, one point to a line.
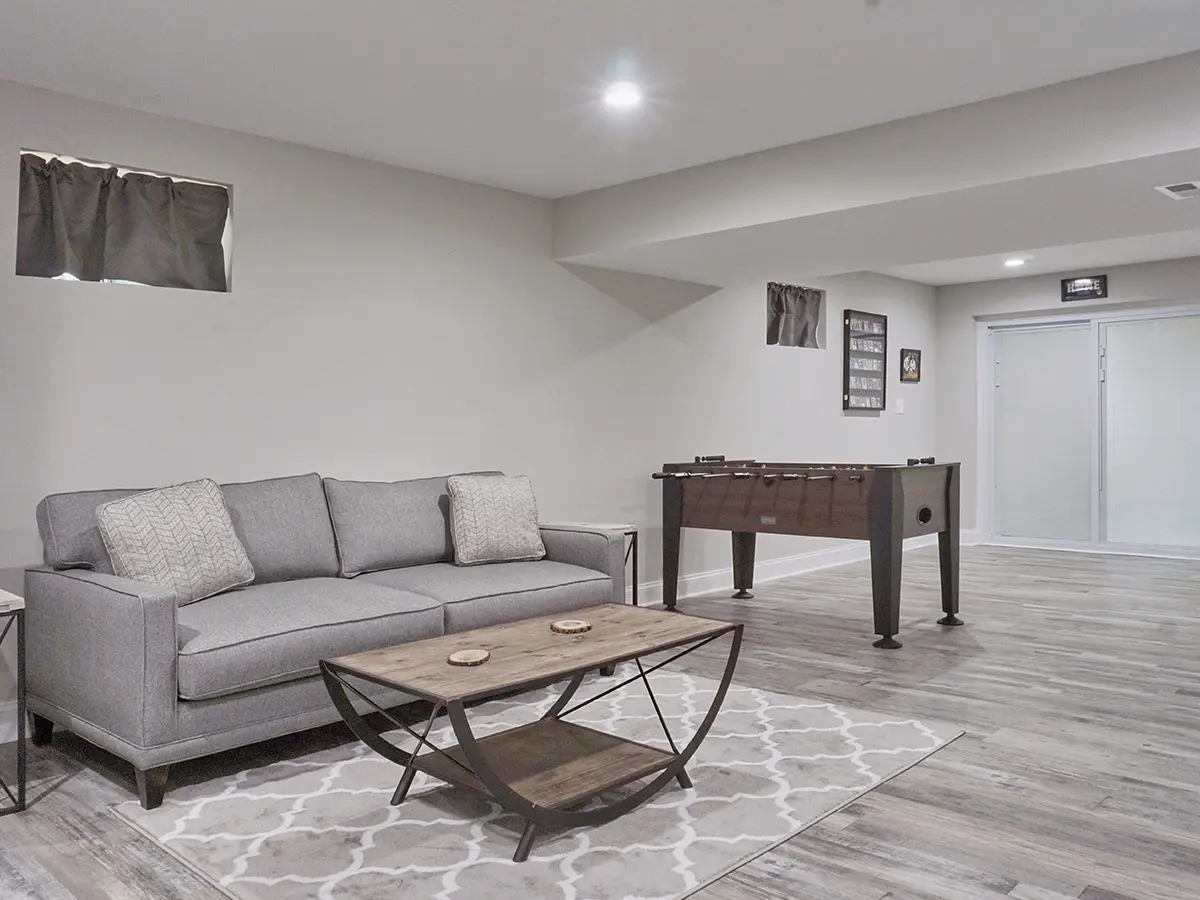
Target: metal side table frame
12	610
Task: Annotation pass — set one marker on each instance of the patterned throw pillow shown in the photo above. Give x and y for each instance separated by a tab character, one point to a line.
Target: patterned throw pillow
493	518
179	537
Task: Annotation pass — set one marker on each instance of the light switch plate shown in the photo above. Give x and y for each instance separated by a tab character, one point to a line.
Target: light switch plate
899	406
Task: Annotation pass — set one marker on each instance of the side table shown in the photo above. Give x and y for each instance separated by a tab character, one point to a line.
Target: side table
12	610
631	547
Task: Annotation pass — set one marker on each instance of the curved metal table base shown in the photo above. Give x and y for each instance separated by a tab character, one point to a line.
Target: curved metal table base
478	770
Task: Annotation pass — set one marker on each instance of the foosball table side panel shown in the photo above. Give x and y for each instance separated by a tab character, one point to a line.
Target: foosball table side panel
835	509
926	499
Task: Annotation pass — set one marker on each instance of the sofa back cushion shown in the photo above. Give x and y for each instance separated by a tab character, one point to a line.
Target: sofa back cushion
282	522
70	535
284	525
390	524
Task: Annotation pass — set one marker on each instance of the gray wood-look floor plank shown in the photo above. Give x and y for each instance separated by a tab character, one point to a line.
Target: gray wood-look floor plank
1076	678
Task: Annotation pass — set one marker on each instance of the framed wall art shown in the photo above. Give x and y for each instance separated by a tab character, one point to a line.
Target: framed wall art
864	369
910	366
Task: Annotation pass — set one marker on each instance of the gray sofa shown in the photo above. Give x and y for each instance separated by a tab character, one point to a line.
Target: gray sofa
340	567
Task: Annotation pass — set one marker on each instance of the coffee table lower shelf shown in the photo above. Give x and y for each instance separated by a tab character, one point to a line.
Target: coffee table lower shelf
551	763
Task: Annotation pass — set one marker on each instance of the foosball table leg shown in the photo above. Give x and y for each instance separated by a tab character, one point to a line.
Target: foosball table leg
948	542
672	530
885	526
743	564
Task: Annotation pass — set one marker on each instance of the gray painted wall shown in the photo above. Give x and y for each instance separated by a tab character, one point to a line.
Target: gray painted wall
386	324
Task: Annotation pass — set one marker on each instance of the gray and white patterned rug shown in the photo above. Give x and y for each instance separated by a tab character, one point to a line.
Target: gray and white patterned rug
320	826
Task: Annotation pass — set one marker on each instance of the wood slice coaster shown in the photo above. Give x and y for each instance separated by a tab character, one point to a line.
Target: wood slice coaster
468	657
570	626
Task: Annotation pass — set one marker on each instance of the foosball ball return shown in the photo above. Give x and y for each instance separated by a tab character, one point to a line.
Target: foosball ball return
882	504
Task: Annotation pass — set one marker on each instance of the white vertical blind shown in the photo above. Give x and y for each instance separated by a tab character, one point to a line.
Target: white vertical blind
1152	432
1044	417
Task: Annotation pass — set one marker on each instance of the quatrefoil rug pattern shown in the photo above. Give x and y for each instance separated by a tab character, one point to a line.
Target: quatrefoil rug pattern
319	826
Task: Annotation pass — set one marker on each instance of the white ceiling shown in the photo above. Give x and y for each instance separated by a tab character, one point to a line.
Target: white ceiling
1046	260
504	92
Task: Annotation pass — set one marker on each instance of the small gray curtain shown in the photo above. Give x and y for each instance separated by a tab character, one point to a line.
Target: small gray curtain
97	225
793	314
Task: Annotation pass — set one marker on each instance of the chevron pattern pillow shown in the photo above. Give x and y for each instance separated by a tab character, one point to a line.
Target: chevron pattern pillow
493	518
179	537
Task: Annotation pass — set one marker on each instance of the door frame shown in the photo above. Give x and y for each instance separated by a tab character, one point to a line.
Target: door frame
1096	318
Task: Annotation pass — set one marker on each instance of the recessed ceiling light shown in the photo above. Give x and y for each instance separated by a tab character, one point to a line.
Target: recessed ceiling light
622	95
1013	263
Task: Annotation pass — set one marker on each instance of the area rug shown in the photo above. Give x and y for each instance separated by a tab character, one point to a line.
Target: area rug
320	826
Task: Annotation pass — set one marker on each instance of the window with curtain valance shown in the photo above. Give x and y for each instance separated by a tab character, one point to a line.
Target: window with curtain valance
95	223
794	315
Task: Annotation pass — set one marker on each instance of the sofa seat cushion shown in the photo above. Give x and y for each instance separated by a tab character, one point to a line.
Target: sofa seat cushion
272	633
477	596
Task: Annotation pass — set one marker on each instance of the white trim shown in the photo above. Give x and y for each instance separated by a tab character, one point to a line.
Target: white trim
985	420
651	593
121	170
1099	547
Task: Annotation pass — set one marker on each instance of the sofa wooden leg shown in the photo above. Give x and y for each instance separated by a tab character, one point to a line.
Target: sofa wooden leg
152	785
41	730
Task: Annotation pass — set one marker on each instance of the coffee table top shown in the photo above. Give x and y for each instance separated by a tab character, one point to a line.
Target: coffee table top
527	653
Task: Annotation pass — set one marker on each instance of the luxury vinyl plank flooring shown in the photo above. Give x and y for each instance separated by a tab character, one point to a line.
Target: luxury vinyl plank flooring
1076	678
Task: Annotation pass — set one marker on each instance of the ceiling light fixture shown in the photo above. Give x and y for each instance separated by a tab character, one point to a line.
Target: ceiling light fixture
622	95
1013	263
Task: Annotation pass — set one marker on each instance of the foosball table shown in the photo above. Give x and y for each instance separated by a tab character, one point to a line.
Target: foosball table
882	504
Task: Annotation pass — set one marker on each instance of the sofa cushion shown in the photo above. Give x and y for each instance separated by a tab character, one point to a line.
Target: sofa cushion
493	518
70	535
284	526
178	537
386	524
477	596
271	633
282	522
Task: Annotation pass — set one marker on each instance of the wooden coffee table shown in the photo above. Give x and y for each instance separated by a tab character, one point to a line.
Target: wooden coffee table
544	770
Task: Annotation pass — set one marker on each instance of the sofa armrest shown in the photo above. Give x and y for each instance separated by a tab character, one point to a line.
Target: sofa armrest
103	649
591	548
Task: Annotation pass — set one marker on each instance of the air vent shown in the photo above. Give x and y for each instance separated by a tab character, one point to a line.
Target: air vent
1185	190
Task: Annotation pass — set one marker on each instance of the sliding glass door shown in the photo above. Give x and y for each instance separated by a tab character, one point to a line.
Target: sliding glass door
1150	481
1044	421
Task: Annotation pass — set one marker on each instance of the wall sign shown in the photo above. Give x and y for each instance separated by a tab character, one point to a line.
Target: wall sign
1089	287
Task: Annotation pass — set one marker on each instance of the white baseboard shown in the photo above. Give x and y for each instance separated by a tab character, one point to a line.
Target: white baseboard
651	593
1085	547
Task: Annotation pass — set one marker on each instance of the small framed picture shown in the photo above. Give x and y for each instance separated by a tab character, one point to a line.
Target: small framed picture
910	365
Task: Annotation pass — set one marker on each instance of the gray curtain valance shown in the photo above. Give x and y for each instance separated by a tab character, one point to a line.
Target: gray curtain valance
97	224
793	315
